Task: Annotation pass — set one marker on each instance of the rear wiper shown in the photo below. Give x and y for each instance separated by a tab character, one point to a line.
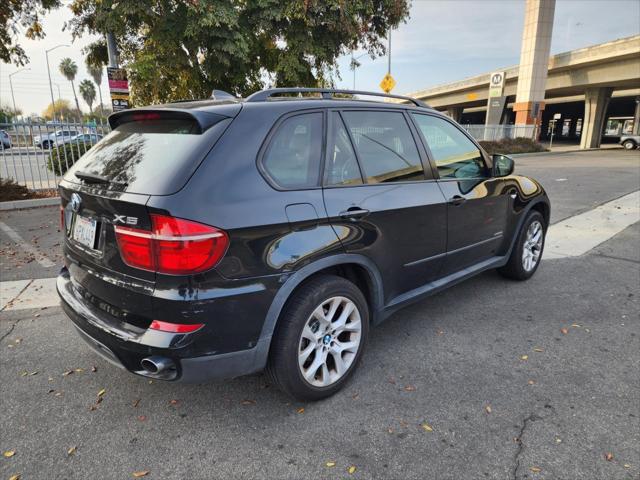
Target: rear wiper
91	177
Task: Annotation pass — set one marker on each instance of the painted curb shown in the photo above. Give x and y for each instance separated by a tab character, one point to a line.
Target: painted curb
31	203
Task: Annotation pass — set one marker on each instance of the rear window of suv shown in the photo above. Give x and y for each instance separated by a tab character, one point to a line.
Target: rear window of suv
151	156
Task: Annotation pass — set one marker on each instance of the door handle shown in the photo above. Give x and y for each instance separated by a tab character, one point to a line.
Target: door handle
456	200
354	213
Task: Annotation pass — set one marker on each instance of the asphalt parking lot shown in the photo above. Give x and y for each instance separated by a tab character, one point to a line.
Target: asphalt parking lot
490	379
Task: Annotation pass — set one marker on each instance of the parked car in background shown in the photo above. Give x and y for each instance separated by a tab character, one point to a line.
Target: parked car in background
214	239
84	138
5	139
629	142
49	140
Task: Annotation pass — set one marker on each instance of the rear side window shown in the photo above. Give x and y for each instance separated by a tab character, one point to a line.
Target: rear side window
292	159
342	165
385	146
154	156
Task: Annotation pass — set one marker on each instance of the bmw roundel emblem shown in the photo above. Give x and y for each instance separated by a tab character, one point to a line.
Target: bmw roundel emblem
75	202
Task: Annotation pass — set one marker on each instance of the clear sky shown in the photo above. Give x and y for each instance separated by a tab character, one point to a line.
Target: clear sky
444	40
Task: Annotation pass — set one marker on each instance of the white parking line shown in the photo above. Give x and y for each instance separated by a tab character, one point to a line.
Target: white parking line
27	247
577	235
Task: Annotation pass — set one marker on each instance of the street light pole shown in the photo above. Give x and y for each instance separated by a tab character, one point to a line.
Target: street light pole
389	55
13	98
58	87
354	65
53	102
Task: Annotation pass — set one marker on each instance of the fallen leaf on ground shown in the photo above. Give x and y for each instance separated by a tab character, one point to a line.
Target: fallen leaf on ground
392	380
426	427
524	357
330	464
15	477
355	396
102	392
94	369
351	470
142	418
174	402
93	407
142	473
535	469
558	440
409	388
564	331
390	430
24	374
136	403
301	410
626	465
575	325
9	453
608	456
79	370
538	349
531	382
31	374
439	332
488	408
248	402
72	451
68	372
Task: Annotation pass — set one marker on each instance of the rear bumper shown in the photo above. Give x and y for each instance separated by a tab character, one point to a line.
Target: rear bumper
125	345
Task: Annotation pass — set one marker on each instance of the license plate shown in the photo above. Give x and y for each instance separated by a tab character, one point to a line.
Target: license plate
84	231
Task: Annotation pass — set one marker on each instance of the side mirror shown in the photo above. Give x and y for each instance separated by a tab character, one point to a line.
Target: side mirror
502	165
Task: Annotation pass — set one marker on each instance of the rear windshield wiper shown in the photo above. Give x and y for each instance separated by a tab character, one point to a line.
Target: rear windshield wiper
91	177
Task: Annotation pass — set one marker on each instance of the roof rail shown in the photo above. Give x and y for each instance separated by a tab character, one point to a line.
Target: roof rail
327	93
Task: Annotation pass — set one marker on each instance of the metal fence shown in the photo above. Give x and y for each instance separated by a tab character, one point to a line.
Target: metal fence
37	154
500	132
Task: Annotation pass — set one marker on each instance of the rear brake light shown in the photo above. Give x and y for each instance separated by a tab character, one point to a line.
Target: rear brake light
174	246
175	327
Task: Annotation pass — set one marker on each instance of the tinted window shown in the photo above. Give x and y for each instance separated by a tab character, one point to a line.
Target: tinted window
293	157
455	155
342	165
385	146
150	156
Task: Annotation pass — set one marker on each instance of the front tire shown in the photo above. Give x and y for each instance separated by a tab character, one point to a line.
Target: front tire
629	144
527	251
320	338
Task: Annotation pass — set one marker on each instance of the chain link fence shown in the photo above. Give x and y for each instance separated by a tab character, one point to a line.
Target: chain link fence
37	154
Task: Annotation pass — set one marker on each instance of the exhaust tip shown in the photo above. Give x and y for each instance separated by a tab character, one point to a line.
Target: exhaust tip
156	364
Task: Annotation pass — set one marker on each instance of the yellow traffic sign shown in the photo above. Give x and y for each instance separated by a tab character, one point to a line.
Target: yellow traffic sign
387	83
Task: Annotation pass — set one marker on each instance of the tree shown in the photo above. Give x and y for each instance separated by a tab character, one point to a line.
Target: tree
69	70
96	73
16	16
183	49
88	93
62	109
7	114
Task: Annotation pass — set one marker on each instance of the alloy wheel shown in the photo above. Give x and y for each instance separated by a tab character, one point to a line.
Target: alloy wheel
330	341
532	246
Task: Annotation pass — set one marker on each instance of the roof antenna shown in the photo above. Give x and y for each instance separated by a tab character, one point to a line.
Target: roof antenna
221	95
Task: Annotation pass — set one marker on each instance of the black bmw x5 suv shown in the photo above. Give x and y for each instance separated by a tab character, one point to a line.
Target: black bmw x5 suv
215	239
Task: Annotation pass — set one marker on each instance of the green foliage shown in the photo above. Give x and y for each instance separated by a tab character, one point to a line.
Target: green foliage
17	18
64	156
68	69
88	92
63	109
183	49
512	145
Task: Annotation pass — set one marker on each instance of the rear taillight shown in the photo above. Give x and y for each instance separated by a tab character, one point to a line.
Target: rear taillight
173	246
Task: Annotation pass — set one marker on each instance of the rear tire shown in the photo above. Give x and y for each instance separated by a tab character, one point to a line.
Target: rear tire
629	144
527	251
320	338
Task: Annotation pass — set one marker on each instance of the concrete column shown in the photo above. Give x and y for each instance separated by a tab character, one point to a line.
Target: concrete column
534	61
455	113
596	101
636	118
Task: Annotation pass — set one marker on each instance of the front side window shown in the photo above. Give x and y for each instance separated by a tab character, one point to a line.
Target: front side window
292	159
455	155
385	146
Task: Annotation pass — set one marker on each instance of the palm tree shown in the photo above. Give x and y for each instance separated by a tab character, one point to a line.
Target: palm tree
69	69
88	92
96	74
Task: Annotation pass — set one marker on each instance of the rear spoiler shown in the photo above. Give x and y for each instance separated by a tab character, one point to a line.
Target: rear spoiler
203	119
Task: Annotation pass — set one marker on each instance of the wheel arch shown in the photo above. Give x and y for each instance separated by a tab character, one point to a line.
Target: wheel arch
357	268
